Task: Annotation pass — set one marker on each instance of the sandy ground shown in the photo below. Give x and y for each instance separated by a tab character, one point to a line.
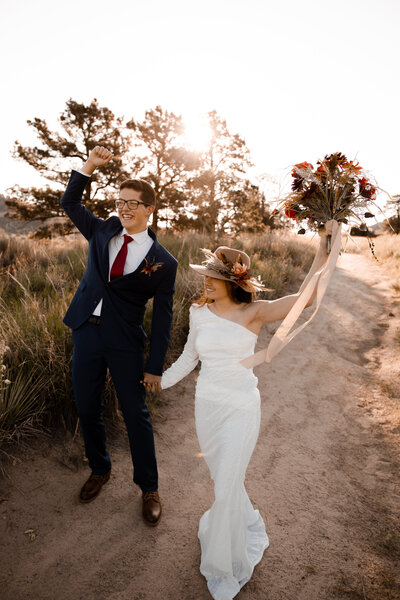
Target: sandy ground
325	476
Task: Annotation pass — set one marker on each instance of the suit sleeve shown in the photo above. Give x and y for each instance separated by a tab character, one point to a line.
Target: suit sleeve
71	202
161	323
187	360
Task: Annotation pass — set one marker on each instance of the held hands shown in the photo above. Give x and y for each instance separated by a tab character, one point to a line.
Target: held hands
98	157
152	383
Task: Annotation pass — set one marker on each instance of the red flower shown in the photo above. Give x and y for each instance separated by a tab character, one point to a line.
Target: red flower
363	182
366	189
291	213
303	165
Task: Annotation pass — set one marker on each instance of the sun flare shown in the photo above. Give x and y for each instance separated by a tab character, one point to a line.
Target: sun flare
197	132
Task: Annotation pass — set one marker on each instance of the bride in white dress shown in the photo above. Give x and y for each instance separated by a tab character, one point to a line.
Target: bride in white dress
224	326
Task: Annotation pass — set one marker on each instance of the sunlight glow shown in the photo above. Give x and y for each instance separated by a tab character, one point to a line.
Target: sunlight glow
226	63
197	132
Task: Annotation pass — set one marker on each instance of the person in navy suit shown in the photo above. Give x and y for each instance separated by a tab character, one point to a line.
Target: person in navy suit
126	267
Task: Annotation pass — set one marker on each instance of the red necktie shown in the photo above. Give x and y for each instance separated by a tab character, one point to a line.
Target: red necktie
117	269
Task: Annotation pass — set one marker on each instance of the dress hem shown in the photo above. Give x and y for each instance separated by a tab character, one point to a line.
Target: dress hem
227	586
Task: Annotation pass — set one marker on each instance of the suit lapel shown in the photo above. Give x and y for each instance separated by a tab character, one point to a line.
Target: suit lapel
152	253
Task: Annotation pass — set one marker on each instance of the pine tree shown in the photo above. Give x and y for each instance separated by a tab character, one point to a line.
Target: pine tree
84	127
224	165
248	211
166	163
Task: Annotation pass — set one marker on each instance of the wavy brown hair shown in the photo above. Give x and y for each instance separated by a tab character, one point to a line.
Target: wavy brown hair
235	293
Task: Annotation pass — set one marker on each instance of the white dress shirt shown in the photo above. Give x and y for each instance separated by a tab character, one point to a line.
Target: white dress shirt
137	250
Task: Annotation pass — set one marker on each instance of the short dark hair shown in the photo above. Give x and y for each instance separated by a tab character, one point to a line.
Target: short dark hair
147	192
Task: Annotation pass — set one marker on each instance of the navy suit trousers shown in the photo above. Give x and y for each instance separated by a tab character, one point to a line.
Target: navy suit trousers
90	361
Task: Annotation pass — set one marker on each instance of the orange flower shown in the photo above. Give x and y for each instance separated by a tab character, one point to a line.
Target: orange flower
149	268
238	269
303	165
352	166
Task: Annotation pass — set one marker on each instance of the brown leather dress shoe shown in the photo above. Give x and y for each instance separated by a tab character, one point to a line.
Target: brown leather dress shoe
93	486
151	508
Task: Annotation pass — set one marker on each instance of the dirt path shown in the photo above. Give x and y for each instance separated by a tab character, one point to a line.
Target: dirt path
325	476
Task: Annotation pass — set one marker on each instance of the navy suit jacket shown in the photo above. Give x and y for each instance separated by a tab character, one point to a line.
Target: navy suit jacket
124	298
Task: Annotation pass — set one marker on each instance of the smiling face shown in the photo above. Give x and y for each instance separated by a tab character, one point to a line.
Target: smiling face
215	289
134	221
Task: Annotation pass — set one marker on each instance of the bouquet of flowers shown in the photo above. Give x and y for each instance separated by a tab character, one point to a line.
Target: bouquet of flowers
337	189
333	193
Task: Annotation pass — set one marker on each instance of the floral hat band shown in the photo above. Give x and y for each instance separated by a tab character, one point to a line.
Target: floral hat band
230	265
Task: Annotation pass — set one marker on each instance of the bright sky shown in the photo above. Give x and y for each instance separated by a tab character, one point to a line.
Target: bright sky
296	79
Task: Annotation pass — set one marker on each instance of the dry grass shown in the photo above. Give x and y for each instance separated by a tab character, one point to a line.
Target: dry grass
387	250
38	280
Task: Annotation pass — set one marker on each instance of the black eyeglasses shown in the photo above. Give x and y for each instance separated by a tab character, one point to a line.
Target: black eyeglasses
131	204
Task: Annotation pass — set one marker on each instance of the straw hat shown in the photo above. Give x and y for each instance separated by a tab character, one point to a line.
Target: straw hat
230	265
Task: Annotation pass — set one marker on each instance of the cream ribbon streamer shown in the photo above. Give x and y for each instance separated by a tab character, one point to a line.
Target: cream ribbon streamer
319	280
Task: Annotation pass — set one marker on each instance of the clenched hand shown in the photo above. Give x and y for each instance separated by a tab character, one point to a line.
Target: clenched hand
98	157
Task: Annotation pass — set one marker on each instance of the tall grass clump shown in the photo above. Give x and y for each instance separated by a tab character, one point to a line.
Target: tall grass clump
387	251
20	403
38	280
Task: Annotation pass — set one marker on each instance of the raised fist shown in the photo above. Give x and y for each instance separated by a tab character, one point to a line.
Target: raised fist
99	156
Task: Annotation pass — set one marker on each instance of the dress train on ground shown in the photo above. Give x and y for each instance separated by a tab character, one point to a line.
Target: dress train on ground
227	414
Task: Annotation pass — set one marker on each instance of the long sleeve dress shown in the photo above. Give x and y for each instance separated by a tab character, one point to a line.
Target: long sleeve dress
227	414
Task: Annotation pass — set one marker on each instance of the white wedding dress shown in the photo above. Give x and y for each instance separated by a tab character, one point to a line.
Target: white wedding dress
227	411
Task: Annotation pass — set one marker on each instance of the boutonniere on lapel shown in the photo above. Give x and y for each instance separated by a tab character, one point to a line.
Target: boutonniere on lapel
150	267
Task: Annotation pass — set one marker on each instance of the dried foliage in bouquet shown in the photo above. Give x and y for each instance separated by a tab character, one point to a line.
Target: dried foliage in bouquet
337	189
236	272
